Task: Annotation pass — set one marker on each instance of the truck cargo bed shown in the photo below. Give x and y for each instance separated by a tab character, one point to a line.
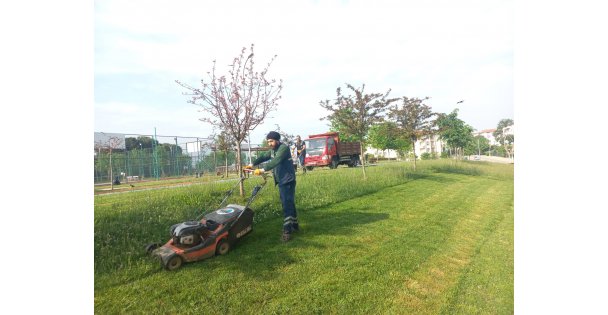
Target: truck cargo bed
349	148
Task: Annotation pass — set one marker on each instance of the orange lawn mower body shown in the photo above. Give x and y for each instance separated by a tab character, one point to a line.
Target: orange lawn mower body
214	234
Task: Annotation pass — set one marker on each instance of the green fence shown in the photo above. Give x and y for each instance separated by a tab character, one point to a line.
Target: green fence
141	158
155	163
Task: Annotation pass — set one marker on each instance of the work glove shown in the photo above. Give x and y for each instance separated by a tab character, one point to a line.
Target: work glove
248	167
258	171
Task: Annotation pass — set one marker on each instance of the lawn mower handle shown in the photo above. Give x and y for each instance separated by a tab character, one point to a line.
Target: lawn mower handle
256	189
228	194
250	171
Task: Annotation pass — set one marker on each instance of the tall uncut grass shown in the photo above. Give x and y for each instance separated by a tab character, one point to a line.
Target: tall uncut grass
125	222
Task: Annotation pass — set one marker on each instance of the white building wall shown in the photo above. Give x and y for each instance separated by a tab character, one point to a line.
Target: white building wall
488	134
388	154
429	144
426	145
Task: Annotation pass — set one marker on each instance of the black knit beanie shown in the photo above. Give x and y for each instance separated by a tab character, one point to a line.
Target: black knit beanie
274	135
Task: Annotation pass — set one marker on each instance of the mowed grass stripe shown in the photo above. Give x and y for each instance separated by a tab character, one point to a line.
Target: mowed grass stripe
486	286
430	289
375	241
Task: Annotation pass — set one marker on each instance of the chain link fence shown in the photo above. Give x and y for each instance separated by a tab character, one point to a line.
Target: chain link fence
136	157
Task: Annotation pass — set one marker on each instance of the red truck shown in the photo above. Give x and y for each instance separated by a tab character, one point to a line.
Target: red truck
326	149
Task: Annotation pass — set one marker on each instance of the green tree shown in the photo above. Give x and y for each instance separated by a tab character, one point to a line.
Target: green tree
224	143
455	132
414	120
478	146
141	142
353	115
506	140
335	125
169	147
386	136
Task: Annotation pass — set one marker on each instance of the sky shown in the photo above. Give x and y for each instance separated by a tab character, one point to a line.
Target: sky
446	50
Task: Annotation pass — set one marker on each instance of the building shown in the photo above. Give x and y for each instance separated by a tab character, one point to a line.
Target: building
386	154
429	144
488	134
432	144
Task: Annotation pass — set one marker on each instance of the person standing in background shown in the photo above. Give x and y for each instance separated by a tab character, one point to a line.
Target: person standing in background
301	152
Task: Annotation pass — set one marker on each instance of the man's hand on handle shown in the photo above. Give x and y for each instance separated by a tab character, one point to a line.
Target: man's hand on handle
249	169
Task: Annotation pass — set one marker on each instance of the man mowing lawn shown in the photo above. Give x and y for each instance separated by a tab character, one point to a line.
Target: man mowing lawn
284	175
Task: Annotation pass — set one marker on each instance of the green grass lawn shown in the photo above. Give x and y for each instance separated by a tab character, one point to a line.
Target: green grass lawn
152	183
439	240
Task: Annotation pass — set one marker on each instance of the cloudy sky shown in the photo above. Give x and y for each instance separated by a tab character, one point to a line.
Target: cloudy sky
446	50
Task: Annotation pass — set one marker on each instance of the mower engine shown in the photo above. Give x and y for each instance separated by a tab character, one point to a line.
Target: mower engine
188	233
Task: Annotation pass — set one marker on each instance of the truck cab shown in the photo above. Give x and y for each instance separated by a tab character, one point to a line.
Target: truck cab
326	149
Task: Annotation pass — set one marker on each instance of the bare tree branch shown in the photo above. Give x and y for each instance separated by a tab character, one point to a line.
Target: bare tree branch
239	102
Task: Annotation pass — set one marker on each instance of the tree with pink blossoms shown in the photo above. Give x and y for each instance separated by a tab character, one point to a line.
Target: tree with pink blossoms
238	102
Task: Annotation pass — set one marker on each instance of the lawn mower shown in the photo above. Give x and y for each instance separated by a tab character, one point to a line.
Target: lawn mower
213	234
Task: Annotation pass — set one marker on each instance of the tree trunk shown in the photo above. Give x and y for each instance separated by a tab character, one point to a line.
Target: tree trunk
238	169
431	138
362	159
414	148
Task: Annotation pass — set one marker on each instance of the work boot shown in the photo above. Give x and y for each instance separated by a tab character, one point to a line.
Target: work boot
286	236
